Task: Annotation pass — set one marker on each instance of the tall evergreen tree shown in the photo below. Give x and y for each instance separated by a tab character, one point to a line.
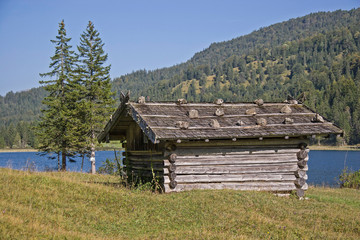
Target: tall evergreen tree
95	79
54	130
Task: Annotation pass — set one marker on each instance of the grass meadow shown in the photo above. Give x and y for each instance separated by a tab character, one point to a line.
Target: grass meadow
68	205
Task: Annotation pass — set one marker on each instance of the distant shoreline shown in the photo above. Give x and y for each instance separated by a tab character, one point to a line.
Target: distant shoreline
5	150
312	147
335	148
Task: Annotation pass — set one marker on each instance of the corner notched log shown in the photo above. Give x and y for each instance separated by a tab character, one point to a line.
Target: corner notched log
299	182
302	154
172	158
302	163
173	184
300	174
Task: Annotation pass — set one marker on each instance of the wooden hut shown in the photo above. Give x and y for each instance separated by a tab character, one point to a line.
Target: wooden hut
244	146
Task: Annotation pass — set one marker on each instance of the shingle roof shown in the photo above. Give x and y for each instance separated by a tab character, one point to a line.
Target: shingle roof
191	121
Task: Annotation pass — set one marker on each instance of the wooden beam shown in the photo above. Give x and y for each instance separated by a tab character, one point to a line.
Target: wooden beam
243	127
310	114
246	142
257	186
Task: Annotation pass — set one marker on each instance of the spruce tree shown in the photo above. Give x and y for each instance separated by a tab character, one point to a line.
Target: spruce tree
55	128
95	79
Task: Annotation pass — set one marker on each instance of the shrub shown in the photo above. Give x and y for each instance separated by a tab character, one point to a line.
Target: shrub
350	179
111	167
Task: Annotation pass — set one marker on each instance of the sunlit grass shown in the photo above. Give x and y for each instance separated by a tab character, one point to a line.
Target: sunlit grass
82	206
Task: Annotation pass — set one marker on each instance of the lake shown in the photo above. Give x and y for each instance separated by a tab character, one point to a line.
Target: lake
324	166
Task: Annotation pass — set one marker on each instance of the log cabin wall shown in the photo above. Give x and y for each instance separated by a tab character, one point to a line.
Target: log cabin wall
142	158
276	165
143	166
229	165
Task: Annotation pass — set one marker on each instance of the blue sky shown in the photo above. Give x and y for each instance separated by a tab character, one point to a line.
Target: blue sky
137	34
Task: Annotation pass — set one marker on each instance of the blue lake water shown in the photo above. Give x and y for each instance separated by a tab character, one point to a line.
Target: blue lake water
19	160
324	166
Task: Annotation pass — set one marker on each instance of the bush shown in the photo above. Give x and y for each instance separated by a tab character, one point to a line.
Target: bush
350	179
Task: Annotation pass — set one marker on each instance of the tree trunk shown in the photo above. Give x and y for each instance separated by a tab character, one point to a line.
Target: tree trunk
92	157
58	155
92	160
82	162
63	158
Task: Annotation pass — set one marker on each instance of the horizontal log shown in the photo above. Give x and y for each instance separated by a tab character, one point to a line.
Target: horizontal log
235	169
233	115
157	158
140	173
137	153
252	186
251	162
147	169
239	127
205	150
232	178
243	143
238	156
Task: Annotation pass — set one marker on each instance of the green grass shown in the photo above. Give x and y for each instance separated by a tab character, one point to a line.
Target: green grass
336	148
54	205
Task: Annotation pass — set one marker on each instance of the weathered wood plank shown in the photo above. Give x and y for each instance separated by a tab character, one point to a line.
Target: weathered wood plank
232	178
203	150
240	157
145	174
270	142
147	168
235	169
147	164
228	152
253	186
242	127
195	162
144	153
146	158
310	114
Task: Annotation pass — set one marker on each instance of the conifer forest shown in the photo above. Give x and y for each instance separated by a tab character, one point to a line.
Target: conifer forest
314	59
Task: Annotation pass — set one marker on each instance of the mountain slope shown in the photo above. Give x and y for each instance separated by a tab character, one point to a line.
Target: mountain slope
267	37
314	57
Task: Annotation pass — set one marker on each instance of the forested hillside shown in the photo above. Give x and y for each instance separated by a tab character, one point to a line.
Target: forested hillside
267	37
315	58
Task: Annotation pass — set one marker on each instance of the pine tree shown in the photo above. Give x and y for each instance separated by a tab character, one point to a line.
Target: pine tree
55	129
95	79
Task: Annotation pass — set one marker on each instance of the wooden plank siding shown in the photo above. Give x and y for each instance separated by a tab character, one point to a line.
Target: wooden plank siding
250	168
